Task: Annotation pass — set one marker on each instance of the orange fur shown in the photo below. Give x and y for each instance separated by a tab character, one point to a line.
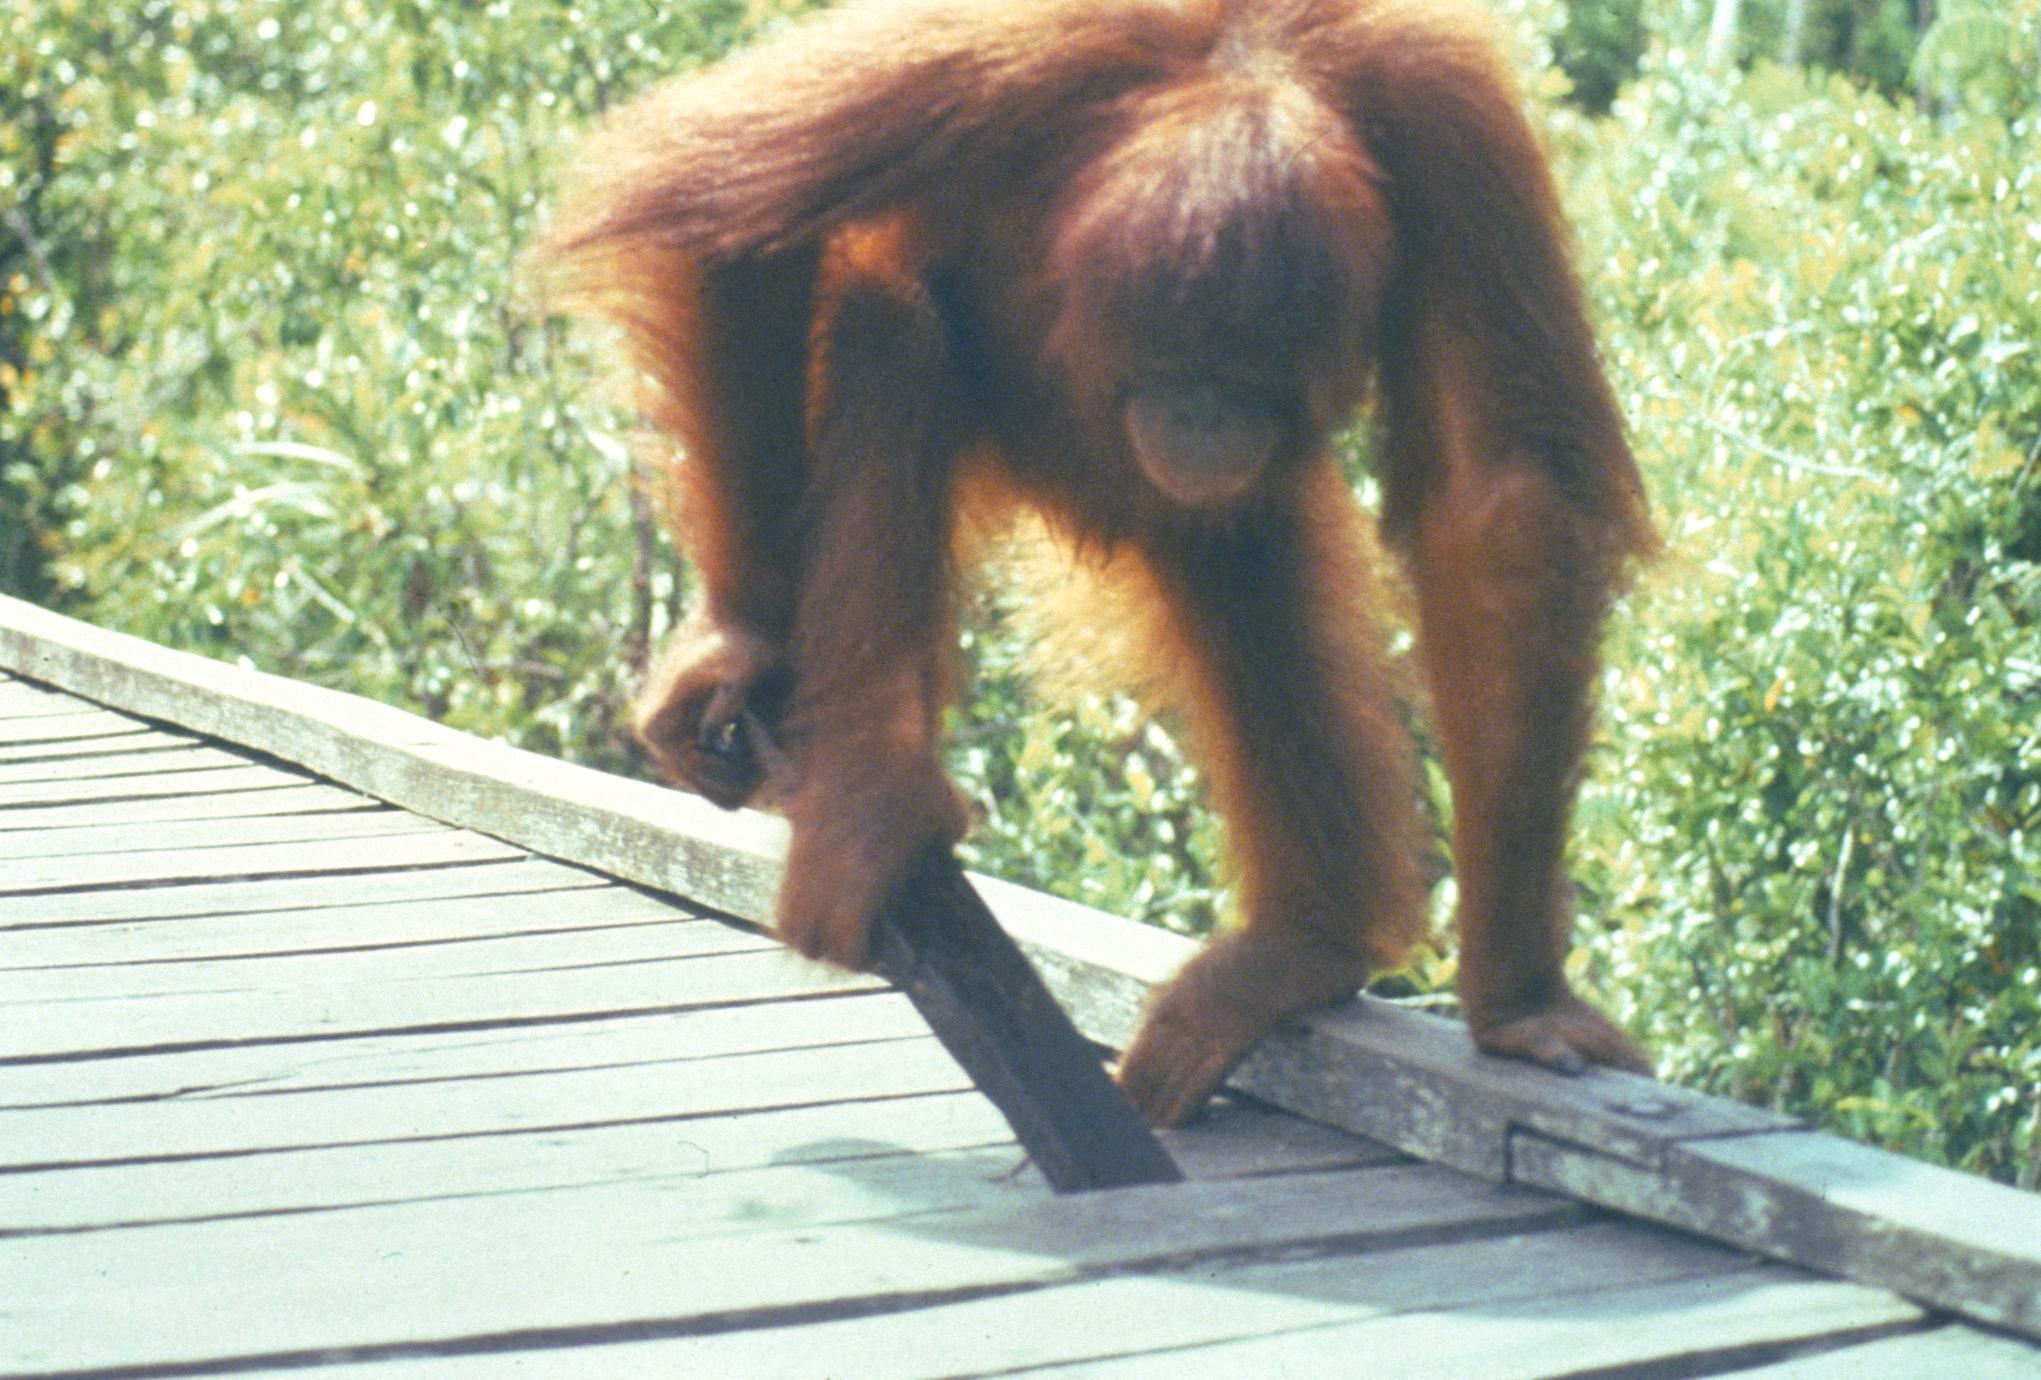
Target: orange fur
1129	263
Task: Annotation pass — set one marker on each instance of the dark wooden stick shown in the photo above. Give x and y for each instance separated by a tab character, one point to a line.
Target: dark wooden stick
936	941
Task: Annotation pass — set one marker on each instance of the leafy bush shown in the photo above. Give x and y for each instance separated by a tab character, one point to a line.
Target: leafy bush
1811	840
266	390
276	394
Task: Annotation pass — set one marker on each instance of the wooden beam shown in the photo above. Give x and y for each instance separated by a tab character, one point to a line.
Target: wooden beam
936	941
1407	1079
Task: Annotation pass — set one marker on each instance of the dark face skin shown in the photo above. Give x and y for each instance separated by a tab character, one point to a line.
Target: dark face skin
1202	441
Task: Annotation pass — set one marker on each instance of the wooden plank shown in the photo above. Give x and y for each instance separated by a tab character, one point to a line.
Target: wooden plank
61	728
135	739
1954	1351
144	787
667	839
212	1016
270	894
635	1039
1149	1316
1947	1239
678	1087
936	941
872	1188
297	1282
1240	1140
159	836
654	935
390	925
263	801
519	1159
71	873
159	761
21	700
1687	1327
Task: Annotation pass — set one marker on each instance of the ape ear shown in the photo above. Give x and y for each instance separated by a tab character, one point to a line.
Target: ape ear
1485	338
858	110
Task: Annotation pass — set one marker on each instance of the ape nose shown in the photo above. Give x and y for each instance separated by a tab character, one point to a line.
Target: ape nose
1202	441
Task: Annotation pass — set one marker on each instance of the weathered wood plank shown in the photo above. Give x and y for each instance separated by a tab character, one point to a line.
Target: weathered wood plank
655	935
1134	1313
87	723
576	900
156	868
678	1087
1240	1140
1682	1328
677	842
296	1282
114	839
135	739
263	801
267	894
21	700
212	1016
217	778
1945	1238
155	1177
157	761
521	1159
1954	1351
638	1039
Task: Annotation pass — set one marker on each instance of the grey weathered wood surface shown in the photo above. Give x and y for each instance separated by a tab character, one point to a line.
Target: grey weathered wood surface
424	1116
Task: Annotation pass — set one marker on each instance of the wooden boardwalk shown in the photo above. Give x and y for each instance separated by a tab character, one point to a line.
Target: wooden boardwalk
291	1078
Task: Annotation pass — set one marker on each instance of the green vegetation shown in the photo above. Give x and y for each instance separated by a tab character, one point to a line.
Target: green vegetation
267	390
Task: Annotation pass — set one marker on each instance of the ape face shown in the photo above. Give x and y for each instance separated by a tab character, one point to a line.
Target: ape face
1203	441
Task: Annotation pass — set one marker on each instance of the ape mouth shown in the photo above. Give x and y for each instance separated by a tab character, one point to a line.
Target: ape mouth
1202	441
